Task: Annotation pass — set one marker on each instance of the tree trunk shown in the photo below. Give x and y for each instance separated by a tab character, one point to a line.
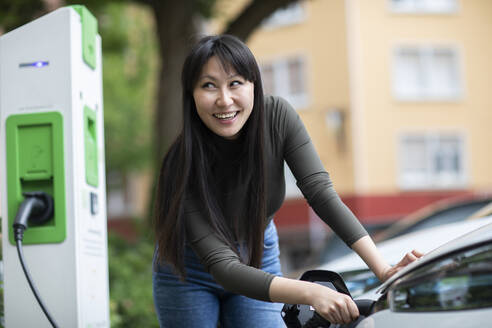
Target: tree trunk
175	30
175	27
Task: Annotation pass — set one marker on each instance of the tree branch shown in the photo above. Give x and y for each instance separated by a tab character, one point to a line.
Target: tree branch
252	16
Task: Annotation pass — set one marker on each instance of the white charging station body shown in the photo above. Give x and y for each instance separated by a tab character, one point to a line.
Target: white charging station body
41	71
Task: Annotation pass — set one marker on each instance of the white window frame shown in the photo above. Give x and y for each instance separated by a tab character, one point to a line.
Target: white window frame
423	7
428	91
281	80
293	14
429	179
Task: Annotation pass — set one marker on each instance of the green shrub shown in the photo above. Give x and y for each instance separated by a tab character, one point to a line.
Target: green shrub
130	283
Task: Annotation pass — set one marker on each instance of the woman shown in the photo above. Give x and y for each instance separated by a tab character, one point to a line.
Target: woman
219	186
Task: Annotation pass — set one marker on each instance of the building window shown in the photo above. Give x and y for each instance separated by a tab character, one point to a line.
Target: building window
430	161
286	78
426	73
290	15
424	6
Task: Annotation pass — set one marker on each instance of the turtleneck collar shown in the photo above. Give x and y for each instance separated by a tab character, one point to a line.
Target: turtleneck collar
229	148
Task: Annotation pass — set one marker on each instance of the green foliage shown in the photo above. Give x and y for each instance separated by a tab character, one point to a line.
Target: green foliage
16	13
95	6
129	68
130	283
206	7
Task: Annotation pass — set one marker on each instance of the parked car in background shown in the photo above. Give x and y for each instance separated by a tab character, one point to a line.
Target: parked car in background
441	212
334	247
359	279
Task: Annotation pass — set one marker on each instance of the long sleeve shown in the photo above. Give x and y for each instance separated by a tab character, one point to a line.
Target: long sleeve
222	263
312	178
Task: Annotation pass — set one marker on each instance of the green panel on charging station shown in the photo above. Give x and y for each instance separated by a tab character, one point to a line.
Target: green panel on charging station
89	32
90	136
35	162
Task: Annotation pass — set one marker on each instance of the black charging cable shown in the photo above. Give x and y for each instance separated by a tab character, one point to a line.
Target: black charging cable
37	207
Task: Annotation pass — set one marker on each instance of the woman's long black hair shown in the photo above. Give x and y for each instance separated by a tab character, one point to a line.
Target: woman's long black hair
185	170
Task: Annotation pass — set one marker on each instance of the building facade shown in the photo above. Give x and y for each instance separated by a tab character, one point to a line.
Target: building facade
393	94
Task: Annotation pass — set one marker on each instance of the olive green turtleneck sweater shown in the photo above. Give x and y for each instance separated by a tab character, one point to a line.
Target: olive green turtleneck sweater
286	139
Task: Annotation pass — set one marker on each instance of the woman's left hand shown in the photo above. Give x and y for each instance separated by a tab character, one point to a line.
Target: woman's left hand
407	259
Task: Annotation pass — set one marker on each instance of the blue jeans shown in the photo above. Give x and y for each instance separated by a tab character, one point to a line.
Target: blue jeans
200	302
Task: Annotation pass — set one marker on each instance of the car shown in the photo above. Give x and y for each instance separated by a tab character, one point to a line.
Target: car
359	279
334	247
445	211
450	286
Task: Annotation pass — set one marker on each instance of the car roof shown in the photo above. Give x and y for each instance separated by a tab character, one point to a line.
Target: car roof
477	236
394	249
448	210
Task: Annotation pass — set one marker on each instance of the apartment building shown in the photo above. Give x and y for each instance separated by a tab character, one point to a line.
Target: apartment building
393	93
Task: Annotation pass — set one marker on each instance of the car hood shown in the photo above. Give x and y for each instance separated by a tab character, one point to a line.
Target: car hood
477	236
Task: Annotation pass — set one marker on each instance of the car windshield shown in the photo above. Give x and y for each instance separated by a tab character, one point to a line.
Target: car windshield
460	281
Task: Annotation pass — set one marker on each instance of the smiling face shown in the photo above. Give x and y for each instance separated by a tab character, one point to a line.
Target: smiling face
224	100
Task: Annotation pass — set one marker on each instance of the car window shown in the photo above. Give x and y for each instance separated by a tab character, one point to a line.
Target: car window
458	282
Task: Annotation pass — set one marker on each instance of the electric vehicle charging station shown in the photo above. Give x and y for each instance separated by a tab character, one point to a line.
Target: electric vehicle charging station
52	140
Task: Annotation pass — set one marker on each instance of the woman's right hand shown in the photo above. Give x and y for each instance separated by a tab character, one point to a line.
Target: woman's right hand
331	305
335	307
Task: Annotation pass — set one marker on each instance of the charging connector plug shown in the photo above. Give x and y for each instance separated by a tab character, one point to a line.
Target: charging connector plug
37	208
